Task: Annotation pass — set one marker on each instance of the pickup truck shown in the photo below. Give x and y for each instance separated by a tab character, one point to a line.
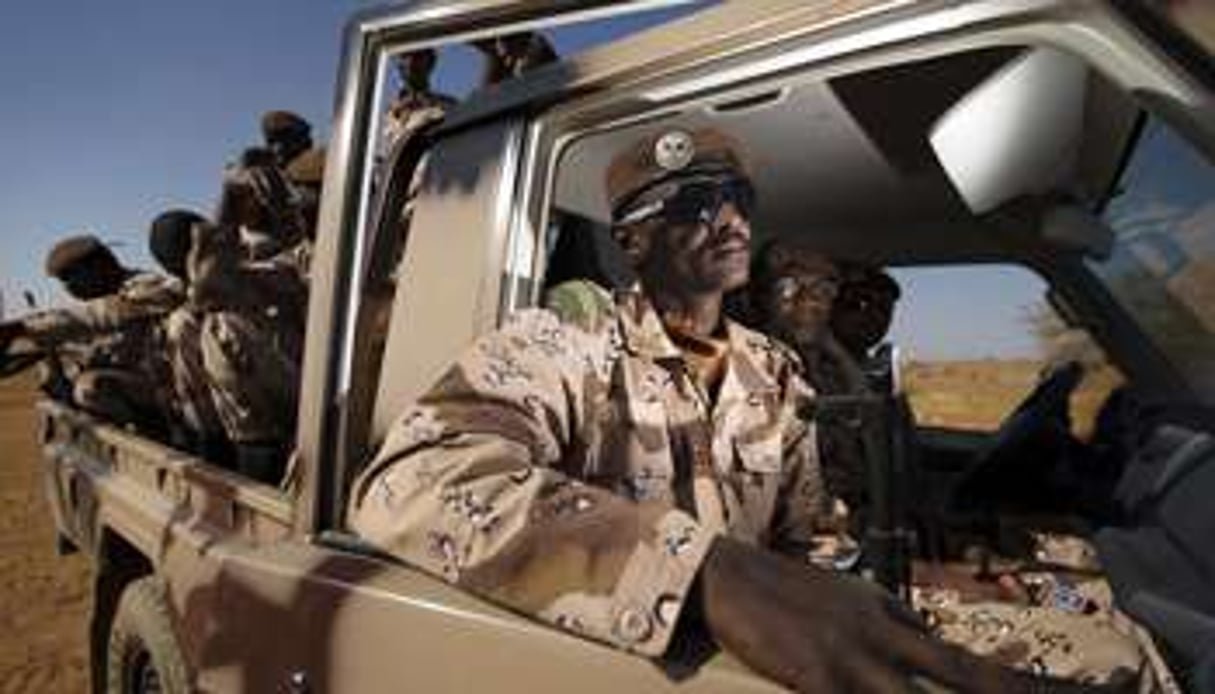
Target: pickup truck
1071	138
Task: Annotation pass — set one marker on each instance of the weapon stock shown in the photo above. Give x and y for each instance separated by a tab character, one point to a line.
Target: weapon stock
881	417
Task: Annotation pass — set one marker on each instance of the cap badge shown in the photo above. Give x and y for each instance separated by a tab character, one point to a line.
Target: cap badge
674	150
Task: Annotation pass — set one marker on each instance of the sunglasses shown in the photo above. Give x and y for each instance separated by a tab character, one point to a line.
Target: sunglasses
822	289
694	202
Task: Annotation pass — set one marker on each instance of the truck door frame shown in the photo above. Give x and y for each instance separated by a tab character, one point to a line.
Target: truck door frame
370	39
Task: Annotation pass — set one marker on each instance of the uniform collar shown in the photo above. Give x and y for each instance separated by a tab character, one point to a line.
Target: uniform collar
643	334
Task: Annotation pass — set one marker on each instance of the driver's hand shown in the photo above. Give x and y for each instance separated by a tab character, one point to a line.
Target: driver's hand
817	631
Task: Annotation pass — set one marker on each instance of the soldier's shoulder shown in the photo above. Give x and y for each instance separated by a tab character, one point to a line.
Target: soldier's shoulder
581	304
150	287
308	168
773	355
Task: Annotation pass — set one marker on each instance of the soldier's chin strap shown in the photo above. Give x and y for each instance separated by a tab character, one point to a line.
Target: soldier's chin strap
881	417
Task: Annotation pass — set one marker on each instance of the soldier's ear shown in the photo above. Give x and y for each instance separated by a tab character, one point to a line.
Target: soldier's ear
635	240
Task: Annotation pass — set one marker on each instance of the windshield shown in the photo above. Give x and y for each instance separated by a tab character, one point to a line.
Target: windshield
1162	267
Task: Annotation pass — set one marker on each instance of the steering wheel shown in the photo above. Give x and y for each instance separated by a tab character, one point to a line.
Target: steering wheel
1027	445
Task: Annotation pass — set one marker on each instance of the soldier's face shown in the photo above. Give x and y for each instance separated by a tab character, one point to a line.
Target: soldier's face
415	69
89	280
287	147
713	255
799	305
862	318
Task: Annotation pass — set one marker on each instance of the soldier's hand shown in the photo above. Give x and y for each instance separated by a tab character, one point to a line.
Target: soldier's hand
817	631
211	263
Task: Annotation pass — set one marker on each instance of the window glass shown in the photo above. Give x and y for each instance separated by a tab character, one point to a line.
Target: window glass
1162	267
460	69
975	340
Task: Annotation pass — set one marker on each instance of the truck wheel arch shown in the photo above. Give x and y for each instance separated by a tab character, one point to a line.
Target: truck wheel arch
119	563
142	644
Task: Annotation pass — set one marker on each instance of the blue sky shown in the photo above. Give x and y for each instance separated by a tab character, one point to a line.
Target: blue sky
114	111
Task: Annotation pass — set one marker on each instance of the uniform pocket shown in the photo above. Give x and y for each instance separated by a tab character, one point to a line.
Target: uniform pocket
753	487
761	456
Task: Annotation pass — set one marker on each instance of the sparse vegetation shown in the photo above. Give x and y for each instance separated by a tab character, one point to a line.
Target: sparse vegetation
977	395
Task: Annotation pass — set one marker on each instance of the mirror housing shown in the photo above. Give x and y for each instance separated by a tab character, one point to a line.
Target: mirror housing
1017	133
1074	228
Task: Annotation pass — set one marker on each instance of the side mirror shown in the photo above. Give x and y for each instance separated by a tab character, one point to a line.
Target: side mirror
1017	133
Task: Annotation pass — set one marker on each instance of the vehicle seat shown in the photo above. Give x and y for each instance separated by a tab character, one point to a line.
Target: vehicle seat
1161	560
584	250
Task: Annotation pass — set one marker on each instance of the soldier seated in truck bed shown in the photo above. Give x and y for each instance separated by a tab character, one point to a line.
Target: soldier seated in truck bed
104	351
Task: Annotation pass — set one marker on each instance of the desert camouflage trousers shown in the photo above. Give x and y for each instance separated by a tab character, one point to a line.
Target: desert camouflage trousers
1060	622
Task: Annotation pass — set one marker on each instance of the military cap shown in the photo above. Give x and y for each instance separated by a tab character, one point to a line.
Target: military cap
169	239
73	251
308	168
280	124
869	278
427	55
256	156
780	258
672	155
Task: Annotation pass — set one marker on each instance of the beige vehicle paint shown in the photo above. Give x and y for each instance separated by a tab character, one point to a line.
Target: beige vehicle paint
266	592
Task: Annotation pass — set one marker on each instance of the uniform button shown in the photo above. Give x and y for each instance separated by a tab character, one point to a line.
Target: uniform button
678	542
633	626
754	400
667	609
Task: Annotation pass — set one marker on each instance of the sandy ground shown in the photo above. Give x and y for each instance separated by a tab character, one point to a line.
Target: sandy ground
978	395
43	597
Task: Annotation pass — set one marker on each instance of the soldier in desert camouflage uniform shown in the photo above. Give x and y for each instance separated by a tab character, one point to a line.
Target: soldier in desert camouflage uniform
272	207
250	334
108	344
864	308
511	56
792	292
591	470
201	430
416	104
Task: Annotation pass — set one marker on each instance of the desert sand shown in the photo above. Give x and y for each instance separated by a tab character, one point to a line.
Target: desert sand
43	597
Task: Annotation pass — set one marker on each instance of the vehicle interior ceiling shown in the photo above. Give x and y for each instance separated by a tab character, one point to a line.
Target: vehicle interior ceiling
847	165
822	152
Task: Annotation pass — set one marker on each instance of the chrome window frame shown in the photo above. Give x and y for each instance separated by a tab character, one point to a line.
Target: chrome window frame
369	40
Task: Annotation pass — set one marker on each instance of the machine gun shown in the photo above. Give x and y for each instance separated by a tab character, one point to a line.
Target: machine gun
881	418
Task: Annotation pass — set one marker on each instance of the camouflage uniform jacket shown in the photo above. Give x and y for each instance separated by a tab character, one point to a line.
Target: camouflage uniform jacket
249	332
121	330
832	371
192	388
411	111
574	471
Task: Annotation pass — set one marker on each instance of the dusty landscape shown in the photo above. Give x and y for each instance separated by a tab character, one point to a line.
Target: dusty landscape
44	600
976	395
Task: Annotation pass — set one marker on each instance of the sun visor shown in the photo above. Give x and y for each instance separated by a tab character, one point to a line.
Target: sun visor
1017	133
